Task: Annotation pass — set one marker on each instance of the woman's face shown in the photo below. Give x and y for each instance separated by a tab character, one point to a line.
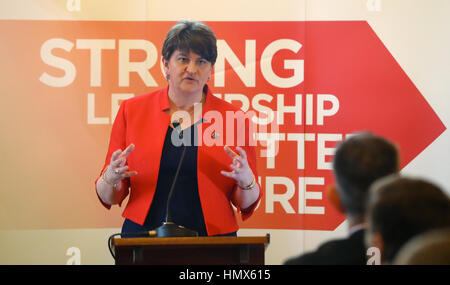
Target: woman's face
188	72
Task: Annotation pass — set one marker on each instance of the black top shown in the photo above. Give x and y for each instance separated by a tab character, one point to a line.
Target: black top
349	251
185	206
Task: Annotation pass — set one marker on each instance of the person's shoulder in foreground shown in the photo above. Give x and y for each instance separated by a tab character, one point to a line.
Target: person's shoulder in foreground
347	251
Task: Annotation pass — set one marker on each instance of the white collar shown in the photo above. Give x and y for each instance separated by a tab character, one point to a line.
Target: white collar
356	228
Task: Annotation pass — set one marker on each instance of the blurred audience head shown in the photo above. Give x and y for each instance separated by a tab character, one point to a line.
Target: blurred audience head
400	208
359	161
430	248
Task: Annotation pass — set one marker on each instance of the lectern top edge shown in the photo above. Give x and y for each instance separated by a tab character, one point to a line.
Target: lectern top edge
192	241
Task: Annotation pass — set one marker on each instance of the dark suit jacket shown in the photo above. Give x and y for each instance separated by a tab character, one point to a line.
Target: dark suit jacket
349	251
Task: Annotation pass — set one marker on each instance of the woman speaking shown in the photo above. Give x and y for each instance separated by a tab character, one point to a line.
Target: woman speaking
145	152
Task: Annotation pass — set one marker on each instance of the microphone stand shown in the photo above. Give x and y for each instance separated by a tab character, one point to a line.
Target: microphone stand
169	228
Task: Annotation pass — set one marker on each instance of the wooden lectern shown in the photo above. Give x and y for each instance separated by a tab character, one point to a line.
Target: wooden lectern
191	250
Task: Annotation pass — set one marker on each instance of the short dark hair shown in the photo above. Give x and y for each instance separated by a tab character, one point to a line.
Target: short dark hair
358	161
400	208
193	36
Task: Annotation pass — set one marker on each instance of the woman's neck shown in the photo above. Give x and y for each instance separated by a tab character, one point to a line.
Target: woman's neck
186	104
179	101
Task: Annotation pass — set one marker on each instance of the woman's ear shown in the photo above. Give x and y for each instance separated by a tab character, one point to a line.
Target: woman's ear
165	64
333	196
211	73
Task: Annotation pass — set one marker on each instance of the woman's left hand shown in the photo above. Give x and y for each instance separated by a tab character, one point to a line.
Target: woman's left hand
241	171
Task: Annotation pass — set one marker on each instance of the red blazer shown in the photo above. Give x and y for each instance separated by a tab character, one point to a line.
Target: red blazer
142	121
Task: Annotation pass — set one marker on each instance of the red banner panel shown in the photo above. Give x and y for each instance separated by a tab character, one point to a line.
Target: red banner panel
311	84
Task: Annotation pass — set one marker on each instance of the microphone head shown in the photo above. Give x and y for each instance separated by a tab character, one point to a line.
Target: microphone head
176	124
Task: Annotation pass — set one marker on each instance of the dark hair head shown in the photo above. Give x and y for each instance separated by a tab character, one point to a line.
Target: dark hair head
430	248
400	208
358	162
191	36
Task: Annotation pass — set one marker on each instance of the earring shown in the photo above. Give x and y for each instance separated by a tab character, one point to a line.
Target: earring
167	76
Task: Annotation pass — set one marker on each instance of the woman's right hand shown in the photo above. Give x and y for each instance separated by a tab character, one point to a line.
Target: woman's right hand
117	170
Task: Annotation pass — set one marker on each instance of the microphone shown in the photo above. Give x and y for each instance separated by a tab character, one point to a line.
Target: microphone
177	127
169	228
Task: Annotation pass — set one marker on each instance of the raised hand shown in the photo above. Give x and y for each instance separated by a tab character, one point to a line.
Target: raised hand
117	169
241	171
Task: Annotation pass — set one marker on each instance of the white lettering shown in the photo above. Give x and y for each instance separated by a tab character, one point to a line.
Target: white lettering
296	109
309	109
96	46
272	146
245	72
301	138
58	62
142	68
283	199
296	65
321	111
309	195
323	151
91	118
115	103
262	109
